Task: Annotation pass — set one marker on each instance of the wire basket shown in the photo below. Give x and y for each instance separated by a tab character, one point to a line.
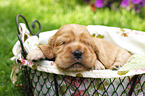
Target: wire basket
38	83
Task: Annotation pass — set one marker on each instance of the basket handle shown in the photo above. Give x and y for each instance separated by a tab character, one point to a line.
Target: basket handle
24	53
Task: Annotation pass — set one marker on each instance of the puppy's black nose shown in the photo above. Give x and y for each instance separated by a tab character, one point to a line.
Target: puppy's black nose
77	54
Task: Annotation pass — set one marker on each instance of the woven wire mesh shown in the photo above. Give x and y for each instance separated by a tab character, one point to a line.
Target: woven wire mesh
38	83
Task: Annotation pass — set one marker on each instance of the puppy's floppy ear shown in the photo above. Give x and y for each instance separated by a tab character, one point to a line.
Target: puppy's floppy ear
100	51
48	49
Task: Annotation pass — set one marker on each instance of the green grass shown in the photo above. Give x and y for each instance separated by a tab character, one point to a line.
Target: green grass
52	14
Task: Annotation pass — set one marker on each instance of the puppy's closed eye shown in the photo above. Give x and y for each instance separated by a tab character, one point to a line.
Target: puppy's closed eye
87	42
86	39
59	43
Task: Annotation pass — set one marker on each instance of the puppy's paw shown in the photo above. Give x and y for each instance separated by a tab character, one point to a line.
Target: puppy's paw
116	66
35	55
99	65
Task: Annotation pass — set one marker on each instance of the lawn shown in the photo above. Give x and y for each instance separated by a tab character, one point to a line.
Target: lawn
52	14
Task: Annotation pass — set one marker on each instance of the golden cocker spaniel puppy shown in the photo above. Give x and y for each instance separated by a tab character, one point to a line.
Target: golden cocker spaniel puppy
74	49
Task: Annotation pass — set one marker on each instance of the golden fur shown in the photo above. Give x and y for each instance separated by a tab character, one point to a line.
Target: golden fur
91	52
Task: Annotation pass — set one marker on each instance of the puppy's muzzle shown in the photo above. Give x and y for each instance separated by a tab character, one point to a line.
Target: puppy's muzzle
77	54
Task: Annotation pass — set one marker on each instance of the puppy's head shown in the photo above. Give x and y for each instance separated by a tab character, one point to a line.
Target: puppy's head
72	47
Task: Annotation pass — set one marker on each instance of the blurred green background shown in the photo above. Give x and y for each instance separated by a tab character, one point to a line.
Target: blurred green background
52	14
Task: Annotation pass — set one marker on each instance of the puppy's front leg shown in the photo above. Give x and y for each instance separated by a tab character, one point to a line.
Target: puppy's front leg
99	65
120	60
35	55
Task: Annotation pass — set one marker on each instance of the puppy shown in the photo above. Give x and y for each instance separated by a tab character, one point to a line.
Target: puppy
74	49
